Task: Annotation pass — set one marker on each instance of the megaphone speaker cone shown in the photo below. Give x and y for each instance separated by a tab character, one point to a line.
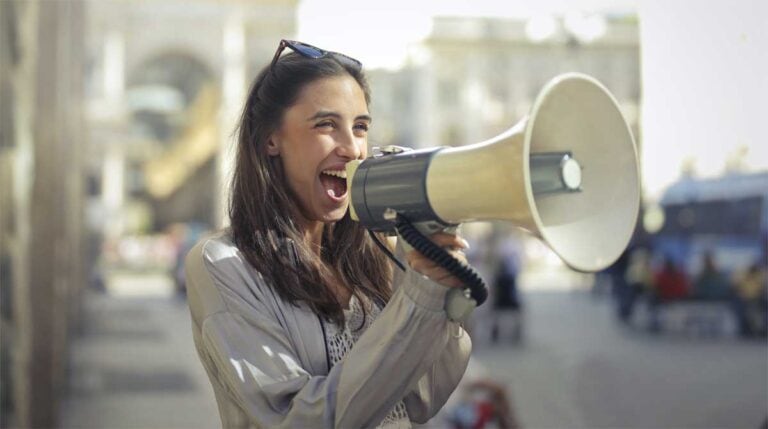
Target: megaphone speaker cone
589	229
574	118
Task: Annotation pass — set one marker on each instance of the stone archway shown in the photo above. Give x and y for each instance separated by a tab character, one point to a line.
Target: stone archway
162	87
173	100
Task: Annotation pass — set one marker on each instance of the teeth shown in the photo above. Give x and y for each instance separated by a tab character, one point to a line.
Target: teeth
342	174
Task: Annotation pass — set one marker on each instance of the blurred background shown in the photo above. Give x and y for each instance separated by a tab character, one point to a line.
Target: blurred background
116	144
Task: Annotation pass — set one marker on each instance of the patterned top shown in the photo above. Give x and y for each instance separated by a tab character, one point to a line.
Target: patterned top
339	340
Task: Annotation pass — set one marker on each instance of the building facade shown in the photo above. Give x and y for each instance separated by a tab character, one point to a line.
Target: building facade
476	77
166	82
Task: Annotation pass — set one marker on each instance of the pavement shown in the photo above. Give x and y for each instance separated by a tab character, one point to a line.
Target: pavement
133	365
578	368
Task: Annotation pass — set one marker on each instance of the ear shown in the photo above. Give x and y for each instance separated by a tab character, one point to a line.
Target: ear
273	148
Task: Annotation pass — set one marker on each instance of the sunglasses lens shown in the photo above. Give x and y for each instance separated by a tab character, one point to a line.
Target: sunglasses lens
308	50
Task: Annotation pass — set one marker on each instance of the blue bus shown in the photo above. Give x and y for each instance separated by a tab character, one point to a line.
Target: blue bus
726	216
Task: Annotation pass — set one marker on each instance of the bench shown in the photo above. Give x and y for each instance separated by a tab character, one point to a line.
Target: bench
704	317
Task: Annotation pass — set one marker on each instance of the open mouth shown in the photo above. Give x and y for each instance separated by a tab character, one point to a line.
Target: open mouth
334	182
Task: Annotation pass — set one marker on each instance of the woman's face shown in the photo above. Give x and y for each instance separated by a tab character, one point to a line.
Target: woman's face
326	128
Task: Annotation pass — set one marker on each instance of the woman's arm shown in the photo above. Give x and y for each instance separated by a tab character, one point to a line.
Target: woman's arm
431	392
253	358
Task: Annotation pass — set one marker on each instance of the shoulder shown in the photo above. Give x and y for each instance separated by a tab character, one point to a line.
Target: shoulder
214	247
219	278
218	255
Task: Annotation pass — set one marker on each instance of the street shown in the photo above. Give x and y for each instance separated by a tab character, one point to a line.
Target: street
579	368
133	365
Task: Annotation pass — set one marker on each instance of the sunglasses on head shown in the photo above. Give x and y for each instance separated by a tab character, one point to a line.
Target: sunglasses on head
310	51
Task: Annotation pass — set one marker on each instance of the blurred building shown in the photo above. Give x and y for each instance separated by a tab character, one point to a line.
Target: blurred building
42	142
115	119
473	78
166	80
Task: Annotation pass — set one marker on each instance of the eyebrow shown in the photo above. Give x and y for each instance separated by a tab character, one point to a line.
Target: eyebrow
328	113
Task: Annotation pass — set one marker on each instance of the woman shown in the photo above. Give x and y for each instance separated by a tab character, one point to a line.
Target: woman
297	316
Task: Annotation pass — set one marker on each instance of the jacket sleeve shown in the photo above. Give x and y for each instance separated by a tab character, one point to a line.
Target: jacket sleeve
250	354
432	391
425	399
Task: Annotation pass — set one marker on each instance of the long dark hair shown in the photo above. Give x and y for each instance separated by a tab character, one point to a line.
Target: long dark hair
263	213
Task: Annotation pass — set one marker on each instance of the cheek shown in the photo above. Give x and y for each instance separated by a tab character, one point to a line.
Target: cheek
298	171
302	164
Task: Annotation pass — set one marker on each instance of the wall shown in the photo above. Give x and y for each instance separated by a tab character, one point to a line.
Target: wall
41	215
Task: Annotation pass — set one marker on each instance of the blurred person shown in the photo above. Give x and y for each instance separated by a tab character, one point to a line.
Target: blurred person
480	237
176	234
485	404
611	279
710	283
479	401
670	283
617	272
507	306
751	300
638	279
297	315
184	236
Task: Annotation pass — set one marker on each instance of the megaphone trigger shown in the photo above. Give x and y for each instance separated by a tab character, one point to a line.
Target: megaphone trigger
465	273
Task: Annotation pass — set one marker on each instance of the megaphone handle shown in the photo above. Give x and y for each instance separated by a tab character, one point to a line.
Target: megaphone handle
440	256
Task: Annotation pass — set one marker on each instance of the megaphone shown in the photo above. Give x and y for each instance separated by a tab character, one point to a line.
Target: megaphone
567	173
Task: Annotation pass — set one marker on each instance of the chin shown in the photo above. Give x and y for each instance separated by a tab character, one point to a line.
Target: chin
335	215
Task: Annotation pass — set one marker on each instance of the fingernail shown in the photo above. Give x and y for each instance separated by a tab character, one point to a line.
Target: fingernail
465	243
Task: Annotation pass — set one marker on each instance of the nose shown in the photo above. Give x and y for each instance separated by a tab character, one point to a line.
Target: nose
350	146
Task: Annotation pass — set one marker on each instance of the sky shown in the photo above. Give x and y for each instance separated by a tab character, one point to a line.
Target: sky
380	33
705	86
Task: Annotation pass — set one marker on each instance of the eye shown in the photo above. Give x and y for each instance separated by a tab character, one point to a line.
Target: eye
361	127
324	124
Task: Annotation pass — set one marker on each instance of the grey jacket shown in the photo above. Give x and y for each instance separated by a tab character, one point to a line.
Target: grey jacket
266	359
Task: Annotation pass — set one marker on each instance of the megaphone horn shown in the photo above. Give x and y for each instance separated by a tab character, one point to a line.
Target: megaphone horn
567	173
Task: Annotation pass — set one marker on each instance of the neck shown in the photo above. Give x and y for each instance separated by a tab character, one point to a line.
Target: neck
313	235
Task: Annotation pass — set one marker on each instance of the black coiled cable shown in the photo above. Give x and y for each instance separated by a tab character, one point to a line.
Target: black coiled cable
440	256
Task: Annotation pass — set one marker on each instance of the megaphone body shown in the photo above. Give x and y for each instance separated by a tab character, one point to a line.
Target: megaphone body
567	173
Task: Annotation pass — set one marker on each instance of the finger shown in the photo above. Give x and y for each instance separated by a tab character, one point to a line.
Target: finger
451	282
458	254
415	254
424	266
444	278
449	240
435	272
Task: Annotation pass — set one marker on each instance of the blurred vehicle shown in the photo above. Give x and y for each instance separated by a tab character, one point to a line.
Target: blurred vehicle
713	223
727	216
